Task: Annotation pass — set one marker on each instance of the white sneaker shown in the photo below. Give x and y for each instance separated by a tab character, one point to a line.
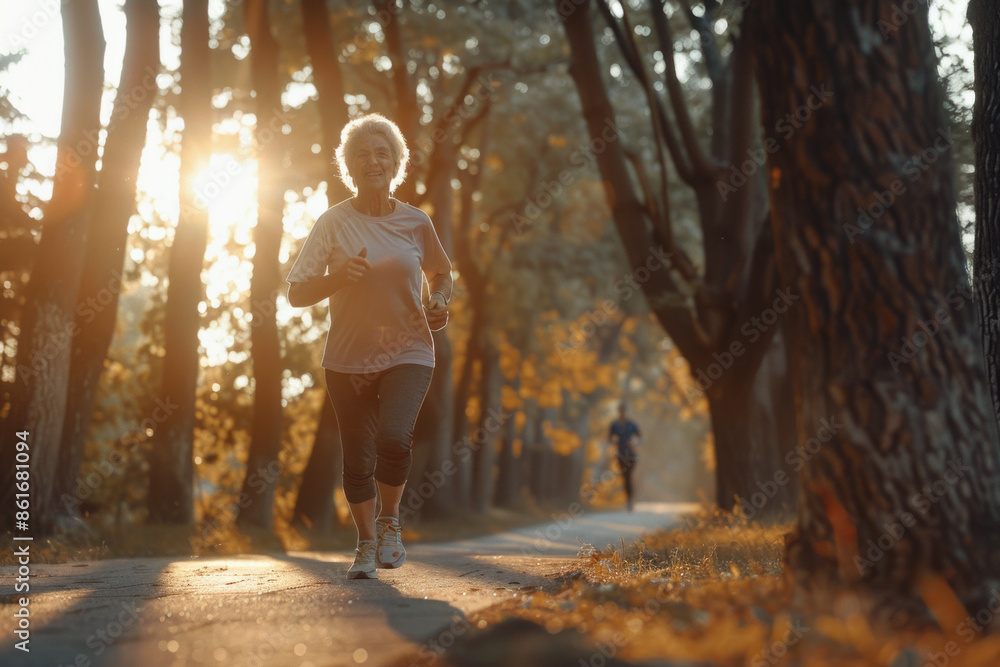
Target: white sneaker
364	562
390	552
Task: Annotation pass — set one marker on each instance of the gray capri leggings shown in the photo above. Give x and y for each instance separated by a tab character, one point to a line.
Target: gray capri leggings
376	417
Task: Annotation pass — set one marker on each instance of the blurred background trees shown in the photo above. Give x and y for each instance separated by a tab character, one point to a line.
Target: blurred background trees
210	406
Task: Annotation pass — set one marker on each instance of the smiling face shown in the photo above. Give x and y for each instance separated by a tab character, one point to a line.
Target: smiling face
371	163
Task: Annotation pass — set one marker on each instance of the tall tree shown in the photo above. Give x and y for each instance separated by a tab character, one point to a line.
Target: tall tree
907	485
985	19
101	282
263	465
712	315
314	501
389	13
323	57
49	326
314	506
171	470
433	435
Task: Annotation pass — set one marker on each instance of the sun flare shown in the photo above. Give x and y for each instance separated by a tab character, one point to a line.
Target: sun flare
227	188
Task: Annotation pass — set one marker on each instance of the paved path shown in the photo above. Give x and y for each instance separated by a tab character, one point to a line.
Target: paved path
295	608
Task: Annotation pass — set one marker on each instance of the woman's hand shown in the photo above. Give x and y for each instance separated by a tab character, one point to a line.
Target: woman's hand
355	268
436	312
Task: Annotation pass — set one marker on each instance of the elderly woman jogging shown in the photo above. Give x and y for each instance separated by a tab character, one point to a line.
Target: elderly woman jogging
369	254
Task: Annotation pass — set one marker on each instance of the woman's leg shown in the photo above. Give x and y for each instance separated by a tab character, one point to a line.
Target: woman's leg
357	411
401	392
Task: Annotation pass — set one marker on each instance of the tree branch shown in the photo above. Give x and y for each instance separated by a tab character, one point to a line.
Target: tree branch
662	128
701	163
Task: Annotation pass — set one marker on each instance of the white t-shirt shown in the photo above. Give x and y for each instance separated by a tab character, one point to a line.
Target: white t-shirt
379	321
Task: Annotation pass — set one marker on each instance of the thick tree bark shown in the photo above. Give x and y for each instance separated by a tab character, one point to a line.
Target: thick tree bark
329	83
48	326
171	469
705	315
314	503
905	484
263	465
985	19
101	282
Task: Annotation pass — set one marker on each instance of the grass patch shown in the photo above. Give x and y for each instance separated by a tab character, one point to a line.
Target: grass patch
710	593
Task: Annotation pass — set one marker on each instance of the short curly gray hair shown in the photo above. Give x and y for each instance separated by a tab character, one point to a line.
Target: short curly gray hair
377	125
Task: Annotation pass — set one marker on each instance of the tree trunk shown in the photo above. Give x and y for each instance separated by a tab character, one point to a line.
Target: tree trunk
569	472
48	326
388	14
432	433
985	19
101	282
263	465
485	435
329	83
542	472
474	354
17	257
753	424
433	430
899	473
314	506
510	476
171	469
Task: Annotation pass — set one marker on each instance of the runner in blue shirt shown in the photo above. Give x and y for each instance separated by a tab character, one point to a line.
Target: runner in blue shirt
624	434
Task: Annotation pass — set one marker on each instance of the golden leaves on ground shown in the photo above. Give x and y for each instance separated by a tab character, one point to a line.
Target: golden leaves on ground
715	593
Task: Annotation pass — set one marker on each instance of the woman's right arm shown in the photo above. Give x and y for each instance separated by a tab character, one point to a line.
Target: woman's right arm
317	288
314	290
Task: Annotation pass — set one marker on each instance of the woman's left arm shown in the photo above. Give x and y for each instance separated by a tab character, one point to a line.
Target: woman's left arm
437	269
441	284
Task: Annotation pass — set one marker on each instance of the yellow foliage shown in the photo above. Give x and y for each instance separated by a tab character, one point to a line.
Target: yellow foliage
510	360
519	419
509	398
708	452
516	447
551	394
585	383
627	346
564	441
557	140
